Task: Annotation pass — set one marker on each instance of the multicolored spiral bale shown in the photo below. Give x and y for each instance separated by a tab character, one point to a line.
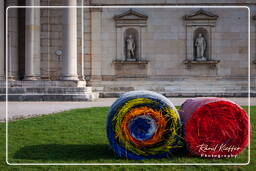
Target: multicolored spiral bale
143	124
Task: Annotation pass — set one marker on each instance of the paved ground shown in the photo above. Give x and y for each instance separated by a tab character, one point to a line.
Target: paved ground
18	110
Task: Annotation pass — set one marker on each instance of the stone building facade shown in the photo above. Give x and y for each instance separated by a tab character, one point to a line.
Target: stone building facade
58	53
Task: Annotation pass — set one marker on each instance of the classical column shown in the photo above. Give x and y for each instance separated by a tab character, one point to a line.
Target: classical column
2	35
32	50
69	70
12	40
80	41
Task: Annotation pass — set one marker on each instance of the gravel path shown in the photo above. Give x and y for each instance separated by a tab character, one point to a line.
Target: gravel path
17	110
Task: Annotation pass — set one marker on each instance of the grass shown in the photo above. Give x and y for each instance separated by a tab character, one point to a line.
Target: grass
78	136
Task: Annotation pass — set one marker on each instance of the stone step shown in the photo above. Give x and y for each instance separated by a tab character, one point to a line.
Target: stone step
174	88
178	89
48	94
183	87
185	94
40	90
164	82
173	84
51	97
43	83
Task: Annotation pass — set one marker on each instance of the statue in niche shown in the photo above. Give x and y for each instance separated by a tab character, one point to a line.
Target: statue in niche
200	46
130	48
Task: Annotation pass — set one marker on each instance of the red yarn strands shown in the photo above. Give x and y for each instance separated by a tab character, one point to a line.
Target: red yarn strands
214	127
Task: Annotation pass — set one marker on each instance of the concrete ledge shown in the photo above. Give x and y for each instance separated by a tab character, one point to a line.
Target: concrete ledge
48	94
131	69
50	90
47	97
43	83
210	63
167	94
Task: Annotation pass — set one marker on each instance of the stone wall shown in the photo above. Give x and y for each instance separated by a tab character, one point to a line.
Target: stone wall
253	44
173	2
52	40
164	37
163	42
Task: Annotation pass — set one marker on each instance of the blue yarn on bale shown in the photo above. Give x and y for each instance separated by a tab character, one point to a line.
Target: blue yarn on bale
143	127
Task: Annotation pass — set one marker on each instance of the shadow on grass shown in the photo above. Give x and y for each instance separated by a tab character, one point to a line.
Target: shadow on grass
70	152
75	152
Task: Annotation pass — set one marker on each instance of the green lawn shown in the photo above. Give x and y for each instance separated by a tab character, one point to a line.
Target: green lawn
78	136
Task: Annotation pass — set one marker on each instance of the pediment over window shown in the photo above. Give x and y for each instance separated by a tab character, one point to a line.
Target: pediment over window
130	17
201	15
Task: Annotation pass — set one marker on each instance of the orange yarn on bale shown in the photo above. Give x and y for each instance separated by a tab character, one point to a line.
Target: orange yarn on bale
160	122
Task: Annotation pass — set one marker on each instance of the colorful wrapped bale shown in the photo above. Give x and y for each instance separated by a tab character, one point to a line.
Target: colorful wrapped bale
214	127
143	124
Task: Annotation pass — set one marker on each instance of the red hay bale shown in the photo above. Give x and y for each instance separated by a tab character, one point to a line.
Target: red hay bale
214	127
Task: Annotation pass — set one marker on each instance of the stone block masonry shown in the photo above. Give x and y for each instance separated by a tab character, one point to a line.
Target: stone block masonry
88	48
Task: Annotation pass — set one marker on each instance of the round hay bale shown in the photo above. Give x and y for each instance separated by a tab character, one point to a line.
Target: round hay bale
143	124
214	127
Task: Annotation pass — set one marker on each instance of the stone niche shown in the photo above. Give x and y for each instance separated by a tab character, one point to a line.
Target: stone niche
199	38
129	60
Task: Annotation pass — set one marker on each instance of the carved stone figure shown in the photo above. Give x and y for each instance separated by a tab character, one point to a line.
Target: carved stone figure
130	47
200	45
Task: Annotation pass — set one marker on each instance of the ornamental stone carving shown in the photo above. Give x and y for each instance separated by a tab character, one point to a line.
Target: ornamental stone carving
200	45
130	27
199	28
130	48
130	61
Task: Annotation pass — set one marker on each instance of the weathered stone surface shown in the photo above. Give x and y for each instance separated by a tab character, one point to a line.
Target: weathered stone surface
183	87
164	41
163	38
47	97
49	94
132	69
